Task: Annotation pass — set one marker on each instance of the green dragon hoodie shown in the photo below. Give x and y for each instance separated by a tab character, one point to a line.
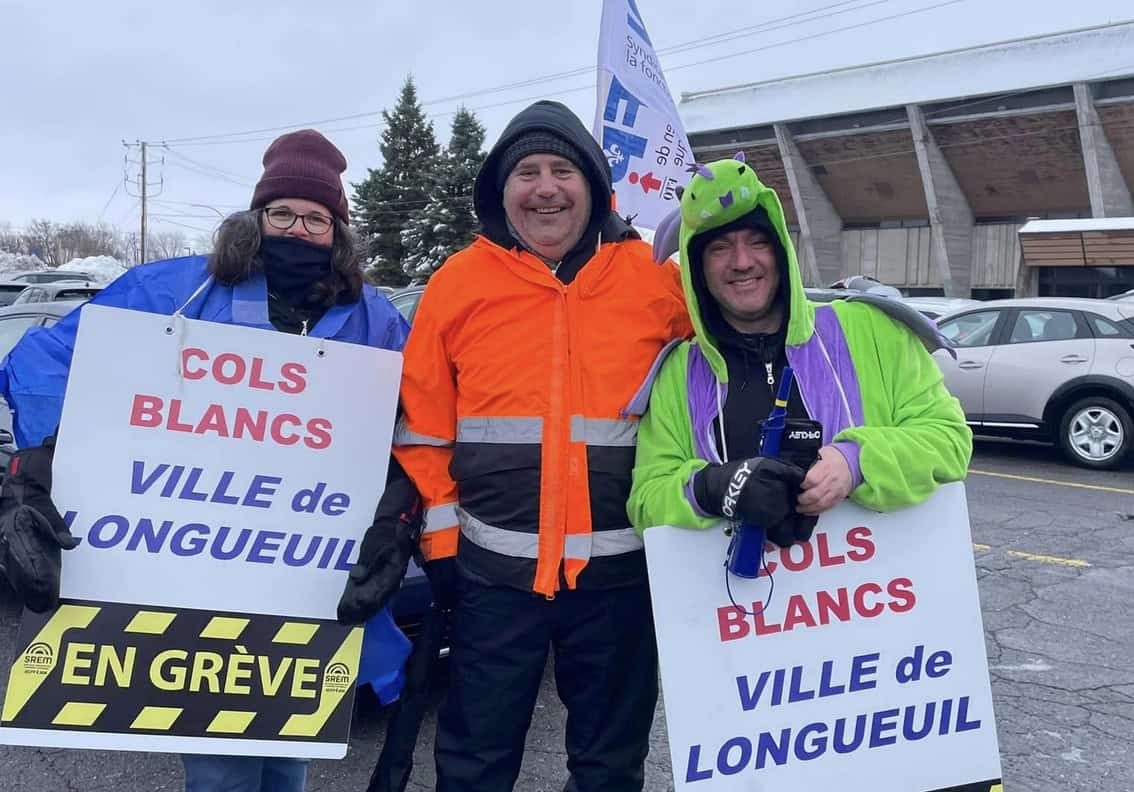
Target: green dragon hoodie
862	368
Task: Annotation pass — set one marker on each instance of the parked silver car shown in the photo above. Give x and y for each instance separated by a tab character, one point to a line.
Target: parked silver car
61	291
936	307
14	322
1060	369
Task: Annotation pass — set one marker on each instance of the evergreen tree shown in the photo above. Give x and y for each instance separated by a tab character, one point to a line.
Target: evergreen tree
389	196
447	223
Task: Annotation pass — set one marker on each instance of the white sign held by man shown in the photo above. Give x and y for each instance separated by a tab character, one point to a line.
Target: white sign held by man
865	671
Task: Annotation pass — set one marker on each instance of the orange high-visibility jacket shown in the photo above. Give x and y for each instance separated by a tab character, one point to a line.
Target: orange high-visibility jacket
517	425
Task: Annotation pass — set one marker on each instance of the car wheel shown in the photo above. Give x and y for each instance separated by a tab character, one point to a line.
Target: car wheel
1096	432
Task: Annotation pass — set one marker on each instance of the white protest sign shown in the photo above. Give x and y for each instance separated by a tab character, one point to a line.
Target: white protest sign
636	120
219	467
867	671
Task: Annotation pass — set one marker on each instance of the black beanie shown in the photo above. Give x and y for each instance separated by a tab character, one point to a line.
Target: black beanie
757	220
536	142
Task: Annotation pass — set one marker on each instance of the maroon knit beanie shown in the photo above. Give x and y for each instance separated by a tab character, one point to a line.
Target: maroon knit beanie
303	164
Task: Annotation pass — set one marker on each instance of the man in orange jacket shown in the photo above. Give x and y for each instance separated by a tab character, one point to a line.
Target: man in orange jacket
527	366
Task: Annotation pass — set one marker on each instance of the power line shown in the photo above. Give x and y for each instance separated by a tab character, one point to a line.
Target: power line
185	215
184	225
764	27
106	206
204	166
813	36
200	171
200	203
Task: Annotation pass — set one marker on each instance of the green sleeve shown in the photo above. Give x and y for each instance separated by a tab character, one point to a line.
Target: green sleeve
915	438
665	457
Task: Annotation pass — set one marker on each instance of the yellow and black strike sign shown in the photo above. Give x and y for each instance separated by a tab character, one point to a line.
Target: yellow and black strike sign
130	670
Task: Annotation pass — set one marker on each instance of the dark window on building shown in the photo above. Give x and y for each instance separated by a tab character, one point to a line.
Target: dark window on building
1096	282
928	291
993	294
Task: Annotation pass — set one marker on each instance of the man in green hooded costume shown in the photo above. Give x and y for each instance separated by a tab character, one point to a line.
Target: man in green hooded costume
891	433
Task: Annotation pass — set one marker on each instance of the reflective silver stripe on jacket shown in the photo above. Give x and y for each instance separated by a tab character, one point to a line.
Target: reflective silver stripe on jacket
612	432
404	437
440	517
499	430
519	544
601	543
510	543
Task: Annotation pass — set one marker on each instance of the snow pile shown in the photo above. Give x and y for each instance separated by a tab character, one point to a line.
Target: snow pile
103	269
15	263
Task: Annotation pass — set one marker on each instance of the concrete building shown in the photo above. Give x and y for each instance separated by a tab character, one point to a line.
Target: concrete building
922	171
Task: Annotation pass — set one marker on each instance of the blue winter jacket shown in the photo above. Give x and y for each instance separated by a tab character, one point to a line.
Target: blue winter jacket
33	379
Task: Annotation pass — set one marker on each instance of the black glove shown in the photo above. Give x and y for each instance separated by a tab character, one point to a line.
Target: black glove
442	574
800	444
761	491
386	550
795	528
32	533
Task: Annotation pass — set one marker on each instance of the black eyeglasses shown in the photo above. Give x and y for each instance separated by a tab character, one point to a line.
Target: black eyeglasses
283	218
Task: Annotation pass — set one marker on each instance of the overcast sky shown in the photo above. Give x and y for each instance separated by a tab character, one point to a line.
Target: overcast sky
78	77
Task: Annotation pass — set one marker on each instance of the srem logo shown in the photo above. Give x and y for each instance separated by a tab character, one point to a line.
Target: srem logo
39	656
337	677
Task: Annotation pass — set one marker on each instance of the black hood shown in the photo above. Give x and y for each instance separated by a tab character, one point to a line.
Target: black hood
556	118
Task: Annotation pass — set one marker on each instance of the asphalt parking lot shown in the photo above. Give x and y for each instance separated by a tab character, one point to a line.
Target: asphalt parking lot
1054	548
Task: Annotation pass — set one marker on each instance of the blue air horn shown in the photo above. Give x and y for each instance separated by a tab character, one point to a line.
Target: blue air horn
746	550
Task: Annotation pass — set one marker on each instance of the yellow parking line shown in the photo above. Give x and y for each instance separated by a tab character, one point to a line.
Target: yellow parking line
1046	559
1033	480
1043	559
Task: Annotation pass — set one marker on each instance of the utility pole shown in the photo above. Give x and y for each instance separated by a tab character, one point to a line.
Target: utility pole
143	261
144	186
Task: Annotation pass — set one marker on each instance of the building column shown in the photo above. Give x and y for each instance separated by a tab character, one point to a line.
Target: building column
950	218
820	227
1110	196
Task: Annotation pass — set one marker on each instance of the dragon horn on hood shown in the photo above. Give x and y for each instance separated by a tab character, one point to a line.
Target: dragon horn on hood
667	235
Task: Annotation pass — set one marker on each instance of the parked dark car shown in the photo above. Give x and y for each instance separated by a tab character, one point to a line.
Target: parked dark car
51	276
58	291
10	290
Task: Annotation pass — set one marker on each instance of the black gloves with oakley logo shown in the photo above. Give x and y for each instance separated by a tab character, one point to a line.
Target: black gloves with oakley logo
764	490
32	533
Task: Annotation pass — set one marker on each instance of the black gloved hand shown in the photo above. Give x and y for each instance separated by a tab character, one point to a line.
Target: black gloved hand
795	528
442	574
32	533
761	491
385	552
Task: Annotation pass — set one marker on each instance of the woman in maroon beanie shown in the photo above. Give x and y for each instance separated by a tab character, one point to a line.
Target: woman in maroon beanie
290	263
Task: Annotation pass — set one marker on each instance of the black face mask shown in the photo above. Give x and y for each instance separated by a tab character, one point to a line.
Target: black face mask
293	266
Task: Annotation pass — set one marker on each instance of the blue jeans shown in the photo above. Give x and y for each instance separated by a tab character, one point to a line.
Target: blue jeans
243	774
